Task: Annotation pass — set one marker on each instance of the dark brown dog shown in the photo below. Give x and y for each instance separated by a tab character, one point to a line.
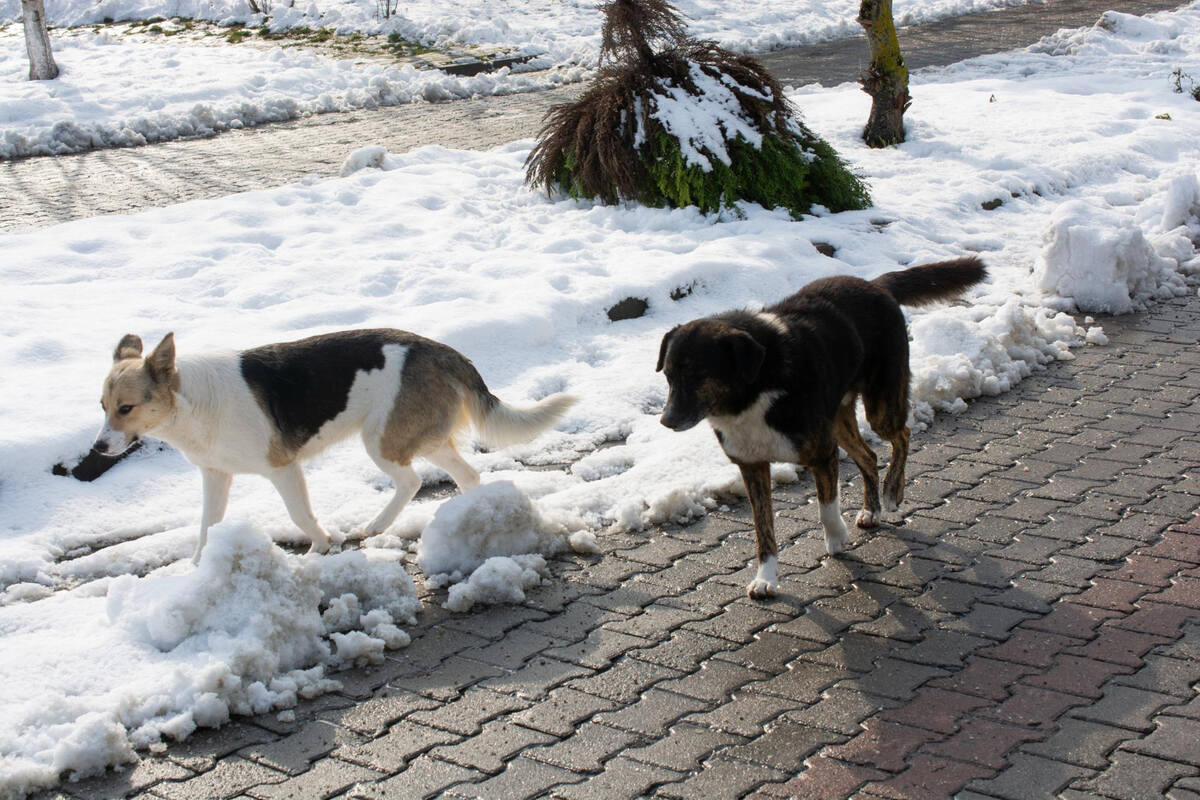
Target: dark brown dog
780	385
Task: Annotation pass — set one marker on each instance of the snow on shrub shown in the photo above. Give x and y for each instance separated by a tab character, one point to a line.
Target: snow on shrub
687	124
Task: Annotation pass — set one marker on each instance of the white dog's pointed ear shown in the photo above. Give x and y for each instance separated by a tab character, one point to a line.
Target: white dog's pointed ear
130	346
161	363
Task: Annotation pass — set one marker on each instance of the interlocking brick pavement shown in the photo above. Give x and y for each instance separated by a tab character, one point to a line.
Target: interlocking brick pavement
1029	628
980	652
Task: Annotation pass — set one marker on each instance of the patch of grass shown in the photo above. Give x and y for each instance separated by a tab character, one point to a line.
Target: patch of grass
237	36
398	46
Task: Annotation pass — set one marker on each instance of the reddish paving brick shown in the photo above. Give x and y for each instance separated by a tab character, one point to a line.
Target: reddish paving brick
1075	675
983	742
984	677
1119	645
1142	568
1035	648
885	745
825	777
1034	707
929	778
1183	591
934	710
1157	619
1072	619
1107	593
1182	544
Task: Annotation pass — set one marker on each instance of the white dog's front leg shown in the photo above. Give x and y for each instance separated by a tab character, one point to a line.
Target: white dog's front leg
289	482
216	500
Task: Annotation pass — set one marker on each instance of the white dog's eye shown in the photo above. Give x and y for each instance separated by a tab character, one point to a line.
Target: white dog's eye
123	410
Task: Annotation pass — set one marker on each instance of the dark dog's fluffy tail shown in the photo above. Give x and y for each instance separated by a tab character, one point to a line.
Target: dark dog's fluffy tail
918	286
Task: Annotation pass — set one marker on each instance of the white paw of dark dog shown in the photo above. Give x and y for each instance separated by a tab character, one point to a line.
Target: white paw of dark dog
866	519
889	504
836	542
760	589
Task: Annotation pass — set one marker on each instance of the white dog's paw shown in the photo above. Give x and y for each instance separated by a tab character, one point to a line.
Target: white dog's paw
866	519
761	589
889	504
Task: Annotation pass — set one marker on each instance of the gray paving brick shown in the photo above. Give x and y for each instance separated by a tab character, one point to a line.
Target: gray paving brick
1079	742
522	778
513	650
652	714
656	623
424	777
490	749
327	777
1131	776
1126	707
1026	771
715	681
625	681
723	777
562	711
132	779
374	715
1173	739
295	752
621	777
892	678
536	678
467	714
392	751
200	751
840	711
231	776
447	680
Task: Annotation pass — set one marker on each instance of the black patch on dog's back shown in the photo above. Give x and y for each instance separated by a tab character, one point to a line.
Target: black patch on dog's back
302	385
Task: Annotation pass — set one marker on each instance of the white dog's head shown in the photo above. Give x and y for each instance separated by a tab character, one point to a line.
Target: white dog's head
139	393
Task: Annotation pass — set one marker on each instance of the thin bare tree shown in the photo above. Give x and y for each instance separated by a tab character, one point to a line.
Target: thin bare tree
37	41
886	78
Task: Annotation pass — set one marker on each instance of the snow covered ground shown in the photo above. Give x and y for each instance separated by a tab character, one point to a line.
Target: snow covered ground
121	91
113	641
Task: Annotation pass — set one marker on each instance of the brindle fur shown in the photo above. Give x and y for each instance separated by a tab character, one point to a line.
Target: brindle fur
836	340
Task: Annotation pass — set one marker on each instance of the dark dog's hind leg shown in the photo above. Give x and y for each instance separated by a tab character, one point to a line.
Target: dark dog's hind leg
846	431
888	414
758	488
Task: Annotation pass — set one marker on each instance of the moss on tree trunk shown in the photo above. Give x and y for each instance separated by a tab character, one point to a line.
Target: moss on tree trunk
886	78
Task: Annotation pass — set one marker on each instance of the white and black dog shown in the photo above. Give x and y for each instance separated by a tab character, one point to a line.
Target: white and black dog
267	409
781	385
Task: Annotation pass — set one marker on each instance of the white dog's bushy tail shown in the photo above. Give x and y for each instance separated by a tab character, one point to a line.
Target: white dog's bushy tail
500	424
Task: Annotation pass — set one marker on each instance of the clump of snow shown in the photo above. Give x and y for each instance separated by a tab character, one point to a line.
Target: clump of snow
494	519
1096	259
370	157
499	579
490	543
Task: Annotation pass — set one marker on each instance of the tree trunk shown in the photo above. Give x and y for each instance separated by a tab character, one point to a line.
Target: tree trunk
37	41
886	78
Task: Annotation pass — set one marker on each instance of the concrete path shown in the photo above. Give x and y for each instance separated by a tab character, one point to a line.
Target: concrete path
42	191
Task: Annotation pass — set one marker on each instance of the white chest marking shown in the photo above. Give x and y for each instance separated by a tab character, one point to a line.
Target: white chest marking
747	436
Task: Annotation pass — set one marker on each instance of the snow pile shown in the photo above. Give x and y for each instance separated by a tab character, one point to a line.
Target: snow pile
122	93
1100	260
489	543
183	648
564	31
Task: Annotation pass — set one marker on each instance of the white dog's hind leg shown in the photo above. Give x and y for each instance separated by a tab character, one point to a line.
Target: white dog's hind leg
448	459
407	483
289	482
216	500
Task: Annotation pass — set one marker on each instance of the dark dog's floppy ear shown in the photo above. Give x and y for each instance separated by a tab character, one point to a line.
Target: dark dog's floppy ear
747	354
130	346
161	363
662	348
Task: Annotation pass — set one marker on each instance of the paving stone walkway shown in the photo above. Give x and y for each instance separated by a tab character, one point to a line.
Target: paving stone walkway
1031	628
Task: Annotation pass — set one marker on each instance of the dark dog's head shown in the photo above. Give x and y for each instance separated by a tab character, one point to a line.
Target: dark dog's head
709	366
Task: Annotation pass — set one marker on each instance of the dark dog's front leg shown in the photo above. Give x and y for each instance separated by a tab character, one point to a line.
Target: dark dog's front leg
758	488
